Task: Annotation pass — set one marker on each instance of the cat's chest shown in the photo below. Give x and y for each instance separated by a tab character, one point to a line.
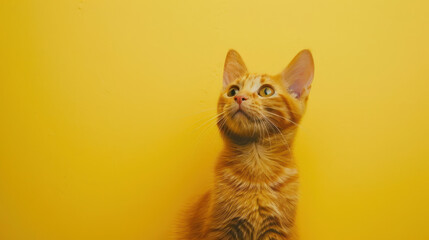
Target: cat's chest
249	202
256	200
258	204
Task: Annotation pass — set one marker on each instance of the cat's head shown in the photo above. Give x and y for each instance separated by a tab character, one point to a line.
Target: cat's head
252	106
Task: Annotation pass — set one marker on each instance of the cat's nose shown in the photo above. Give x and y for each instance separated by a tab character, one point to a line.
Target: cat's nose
240	99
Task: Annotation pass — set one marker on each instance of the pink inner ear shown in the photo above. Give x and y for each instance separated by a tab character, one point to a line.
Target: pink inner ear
298	75
234	67
300	81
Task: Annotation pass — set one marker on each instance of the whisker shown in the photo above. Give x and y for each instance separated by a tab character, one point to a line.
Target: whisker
192	114
284	118
211	119
279	131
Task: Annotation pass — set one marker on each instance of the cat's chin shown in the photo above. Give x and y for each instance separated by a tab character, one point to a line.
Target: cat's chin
242	127
240	116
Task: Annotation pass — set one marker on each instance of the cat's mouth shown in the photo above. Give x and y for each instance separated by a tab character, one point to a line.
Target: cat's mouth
240	112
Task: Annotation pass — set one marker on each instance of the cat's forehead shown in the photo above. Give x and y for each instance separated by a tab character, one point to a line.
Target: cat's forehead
253	81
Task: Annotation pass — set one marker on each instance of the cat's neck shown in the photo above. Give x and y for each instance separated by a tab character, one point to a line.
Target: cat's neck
276	144
257	160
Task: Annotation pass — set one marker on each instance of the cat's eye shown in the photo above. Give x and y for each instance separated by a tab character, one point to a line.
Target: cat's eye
266	91
232	91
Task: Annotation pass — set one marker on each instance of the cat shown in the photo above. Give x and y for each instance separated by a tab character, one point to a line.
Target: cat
255	189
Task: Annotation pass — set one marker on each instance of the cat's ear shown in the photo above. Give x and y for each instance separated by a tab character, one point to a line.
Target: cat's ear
298	75
234	67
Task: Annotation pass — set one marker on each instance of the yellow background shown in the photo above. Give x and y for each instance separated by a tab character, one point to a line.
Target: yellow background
104	108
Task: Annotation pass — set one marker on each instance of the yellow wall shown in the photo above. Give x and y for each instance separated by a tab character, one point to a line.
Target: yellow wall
103	105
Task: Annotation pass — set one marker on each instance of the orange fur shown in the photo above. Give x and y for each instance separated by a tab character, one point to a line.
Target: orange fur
255	191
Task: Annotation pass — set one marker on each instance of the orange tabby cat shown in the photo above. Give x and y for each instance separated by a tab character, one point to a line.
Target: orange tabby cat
255	191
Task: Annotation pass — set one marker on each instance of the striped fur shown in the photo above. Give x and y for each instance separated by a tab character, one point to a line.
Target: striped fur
255	189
